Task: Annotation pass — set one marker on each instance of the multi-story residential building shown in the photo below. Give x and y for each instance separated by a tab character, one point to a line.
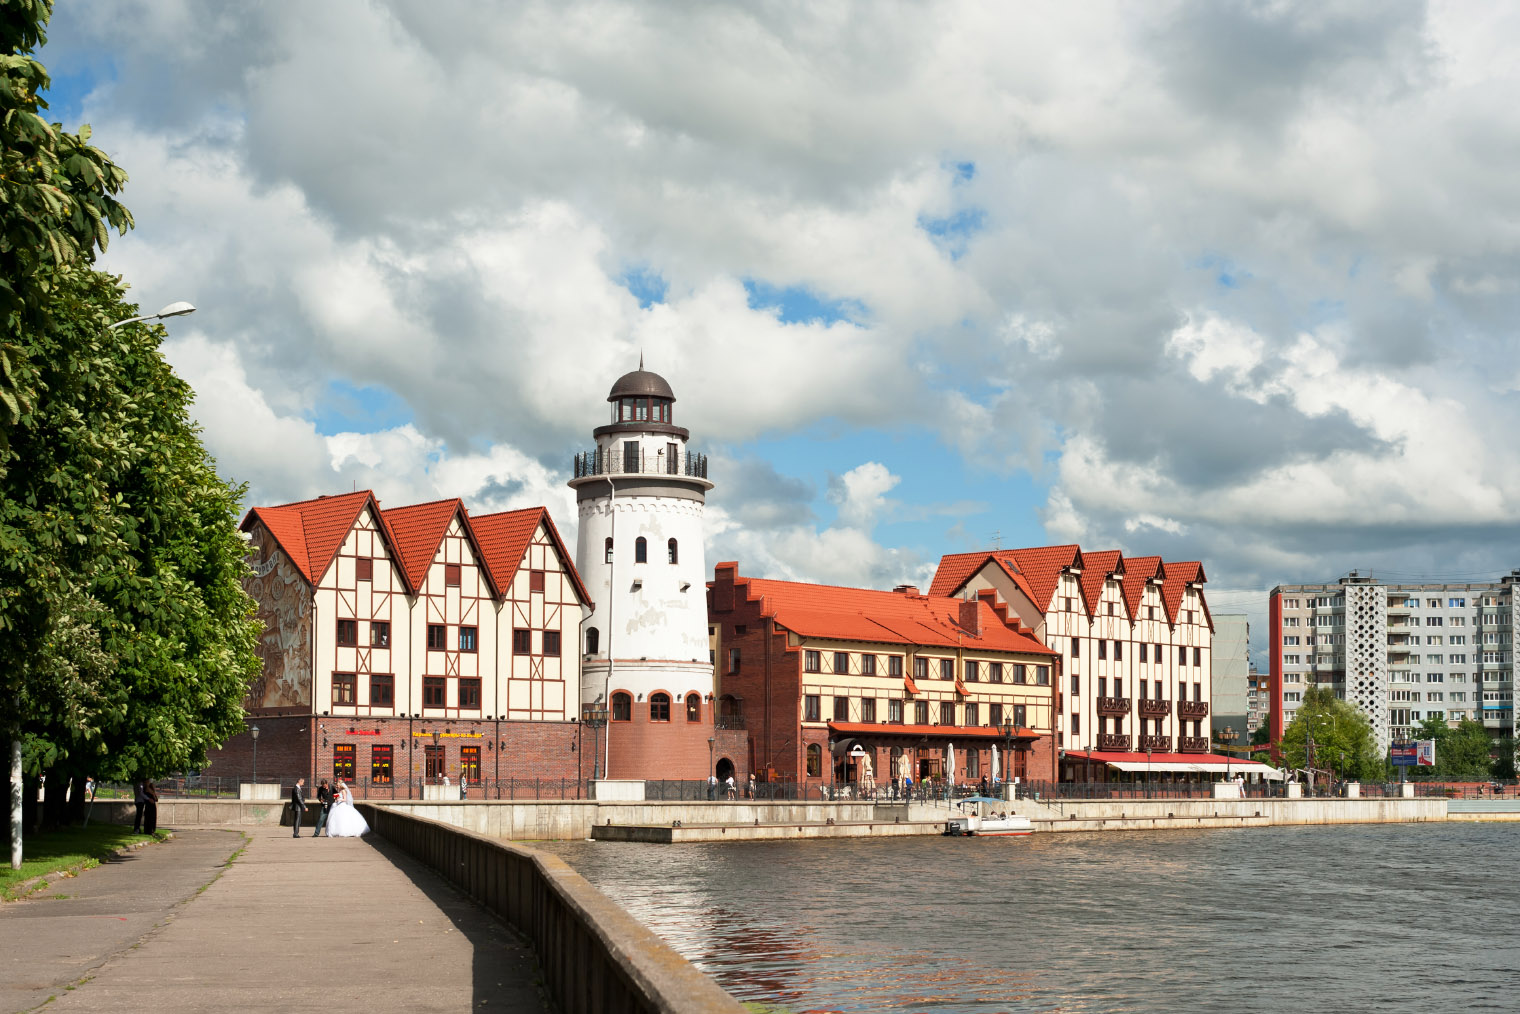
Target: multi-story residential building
1399	652
409	644
847	685
1134	637
1229	677
1259	701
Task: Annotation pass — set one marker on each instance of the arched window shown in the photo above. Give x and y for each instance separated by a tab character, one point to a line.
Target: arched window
659	707
608	548
641	550
694	707
593	640
671	556
814	760
622	707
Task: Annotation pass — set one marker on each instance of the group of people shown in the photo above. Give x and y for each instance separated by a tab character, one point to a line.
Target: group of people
729	786
145	800
338	815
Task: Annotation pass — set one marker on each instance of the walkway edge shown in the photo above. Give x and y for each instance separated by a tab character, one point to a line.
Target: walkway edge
29	886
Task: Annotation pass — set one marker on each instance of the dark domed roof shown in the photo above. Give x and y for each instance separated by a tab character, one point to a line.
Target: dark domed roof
641	383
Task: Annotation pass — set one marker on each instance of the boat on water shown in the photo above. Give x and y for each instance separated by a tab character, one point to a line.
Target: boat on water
984	815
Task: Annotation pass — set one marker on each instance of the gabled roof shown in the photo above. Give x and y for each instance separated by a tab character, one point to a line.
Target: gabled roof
958	568
862	614
312	531
1138	571
1042	568
503	539
1178	577
418	530
1096	569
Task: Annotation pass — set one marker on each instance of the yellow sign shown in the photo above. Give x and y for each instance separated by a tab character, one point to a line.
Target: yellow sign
449	735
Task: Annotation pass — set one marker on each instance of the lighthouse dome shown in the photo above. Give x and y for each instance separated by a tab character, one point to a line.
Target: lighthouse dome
641	384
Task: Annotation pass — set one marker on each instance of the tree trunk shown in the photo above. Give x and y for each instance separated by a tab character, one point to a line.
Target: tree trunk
16	822
78	800
53	785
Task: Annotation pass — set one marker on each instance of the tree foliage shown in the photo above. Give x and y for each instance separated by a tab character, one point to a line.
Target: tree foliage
129	639
1462	753
1341	735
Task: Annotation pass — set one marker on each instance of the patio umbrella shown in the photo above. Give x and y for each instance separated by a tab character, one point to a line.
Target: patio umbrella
994	762
950	763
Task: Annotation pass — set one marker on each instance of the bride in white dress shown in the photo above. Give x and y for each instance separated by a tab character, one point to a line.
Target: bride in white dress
344	821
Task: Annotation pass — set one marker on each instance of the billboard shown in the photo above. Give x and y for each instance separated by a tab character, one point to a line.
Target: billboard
1427	753
1404	755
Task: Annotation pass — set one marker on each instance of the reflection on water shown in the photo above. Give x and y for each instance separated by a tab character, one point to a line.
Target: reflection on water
1413	917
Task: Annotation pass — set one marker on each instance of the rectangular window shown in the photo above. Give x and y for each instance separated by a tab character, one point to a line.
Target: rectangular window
994	714
812	710
343	761
1102	649
382	690
895	710
868	665
438	637
894	665
631	457
535	580
841	709
1144	686
841	662
1076	724
380	764
1197	691
1076	647
1143	646
469	764
995	672
920	668
920	712
946	712
812	661
433	760
1182	654
469	694
1019	720
1102	686
1076	685
947	668
973	714
467	638
364	569
1118	651
522	641
348	632
343	688
733	660
451	575
1197	656
973	671
1021	671
868	709
551	643
433	691
379	634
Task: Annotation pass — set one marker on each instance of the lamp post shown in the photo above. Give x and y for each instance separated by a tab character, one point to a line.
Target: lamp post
178	309
438	750
254	732
709	754
1007	749
595	716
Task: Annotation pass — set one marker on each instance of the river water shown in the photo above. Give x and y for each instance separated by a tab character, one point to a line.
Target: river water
1390	917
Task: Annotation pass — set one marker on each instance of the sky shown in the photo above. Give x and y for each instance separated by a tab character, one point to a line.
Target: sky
1227	282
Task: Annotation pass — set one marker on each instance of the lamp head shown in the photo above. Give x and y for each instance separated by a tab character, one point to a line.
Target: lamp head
178	309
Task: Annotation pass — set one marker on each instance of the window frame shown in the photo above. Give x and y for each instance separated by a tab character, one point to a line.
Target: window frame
522	640
453	575
469	639
535	581
435	687
469	693
554	643
659	706
380	634
344	689
812	708
345	760
382	681
625	699
437	637
641	550
346	633
382	764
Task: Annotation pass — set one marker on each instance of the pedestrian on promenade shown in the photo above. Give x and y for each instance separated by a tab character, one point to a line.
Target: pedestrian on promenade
732	794
139	801
464	787
150	810
984	785
751	794
712	786
325	797
297	807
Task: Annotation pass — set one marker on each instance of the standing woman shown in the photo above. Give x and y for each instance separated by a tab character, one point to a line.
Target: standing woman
345	821
150	811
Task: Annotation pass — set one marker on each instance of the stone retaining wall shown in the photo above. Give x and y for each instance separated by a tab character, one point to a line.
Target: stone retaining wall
595	956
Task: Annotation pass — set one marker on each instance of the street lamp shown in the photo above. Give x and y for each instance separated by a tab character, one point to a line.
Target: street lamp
709	754
178	309
1007	749
254	732
596	717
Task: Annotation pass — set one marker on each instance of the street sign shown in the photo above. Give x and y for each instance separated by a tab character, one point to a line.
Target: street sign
1427	753
1404	755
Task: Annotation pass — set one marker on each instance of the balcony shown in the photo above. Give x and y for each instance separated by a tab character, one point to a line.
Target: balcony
613	462
1156	744
729	722
1112	741
1192	709
1113	705
1193	744
1155	707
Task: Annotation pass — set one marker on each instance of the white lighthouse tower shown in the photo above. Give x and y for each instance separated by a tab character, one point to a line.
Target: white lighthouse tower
640	496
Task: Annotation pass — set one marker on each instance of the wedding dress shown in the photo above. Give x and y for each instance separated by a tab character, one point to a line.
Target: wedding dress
344	821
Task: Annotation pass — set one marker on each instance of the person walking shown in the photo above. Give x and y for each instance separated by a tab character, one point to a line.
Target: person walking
325	797
729	783
139	801
751	785
150	810
712	786
297	807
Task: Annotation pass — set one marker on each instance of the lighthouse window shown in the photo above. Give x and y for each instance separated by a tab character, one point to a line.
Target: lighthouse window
622	707
593	640
641	550
643	405
607	550
659	707
631	459
693	708
671	556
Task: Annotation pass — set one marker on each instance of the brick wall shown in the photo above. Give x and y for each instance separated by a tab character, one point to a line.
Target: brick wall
675	750
284	752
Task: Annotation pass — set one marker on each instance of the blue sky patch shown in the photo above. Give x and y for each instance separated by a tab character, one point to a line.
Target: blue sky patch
348	408
953	233
647	285
796	304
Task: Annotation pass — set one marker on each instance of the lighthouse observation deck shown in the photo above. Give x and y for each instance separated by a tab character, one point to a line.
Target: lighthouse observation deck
632	459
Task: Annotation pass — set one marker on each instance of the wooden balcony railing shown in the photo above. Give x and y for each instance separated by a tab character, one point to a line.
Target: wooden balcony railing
1113	741
1193	744
1192	709
1156	744
1113	705
1155	707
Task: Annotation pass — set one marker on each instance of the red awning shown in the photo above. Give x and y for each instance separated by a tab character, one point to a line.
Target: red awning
1209	759
908	682
986	732
960	687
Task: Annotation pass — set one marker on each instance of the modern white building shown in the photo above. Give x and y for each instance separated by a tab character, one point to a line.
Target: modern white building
1230	671
1399	652
640	495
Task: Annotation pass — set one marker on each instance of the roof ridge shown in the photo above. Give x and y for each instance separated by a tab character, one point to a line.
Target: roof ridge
316	499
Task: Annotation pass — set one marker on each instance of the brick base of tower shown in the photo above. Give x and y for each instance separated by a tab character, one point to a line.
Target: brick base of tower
677	750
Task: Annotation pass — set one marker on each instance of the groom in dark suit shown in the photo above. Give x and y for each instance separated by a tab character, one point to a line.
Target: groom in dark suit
297	807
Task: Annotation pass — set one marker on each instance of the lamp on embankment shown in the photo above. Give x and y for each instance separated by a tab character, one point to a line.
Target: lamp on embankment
254	732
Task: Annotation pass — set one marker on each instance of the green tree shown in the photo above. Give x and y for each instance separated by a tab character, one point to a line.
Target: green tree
1503	753
1461	753
1342	738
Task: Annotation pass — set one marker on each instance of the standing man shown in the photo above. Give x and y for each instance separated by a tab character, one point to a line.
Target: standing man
297	807
712	786
139	801
150	810
325	797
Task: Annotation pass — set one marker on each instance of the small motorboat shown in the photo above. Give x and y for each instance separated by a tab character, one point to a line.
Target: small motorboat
985	815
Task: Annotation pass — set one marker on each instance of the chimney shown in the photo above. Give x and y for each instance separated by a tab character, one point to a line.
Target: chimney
971	617
909	590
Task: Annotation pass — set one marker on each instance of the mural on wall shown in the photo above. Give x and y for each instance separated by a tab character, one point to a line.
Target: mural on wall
285	609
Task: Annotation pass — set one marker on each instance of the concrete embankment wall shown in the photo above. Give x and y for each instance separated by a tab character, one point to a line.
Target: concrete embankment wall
573	819
595	956
182	812
1131	814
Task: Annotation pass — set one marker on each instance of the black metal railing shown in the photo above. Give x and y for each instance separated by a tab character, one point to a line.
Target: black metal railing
658	462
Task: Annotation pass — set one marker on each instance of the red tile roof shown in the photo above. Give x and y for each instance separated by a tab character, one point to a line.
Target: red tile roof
1138	570
861	614
955	569
504	538
312	531
1096	569
1042	568
1178	577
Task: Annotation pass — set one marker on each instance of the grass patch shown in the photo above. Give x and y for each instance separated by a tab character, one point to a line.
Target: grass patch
70	849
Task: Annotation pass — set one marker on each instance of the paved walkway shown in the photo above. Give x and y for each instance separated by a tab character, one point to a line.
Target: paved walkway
332	924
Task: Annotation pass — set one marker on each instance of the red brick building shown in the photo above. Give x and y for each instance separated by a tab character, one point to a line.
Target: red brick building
849	685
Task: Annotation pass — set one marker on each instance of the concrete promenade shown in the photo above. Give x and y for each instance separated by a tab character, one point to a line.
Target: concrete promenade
334	925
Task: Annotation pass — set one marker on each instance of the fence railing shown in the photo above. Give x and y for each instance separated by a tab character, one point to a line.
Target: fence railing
658	462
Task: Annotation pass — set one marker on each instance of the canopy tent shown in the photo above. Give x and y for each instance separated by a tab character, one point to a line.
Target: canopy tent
1176	763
